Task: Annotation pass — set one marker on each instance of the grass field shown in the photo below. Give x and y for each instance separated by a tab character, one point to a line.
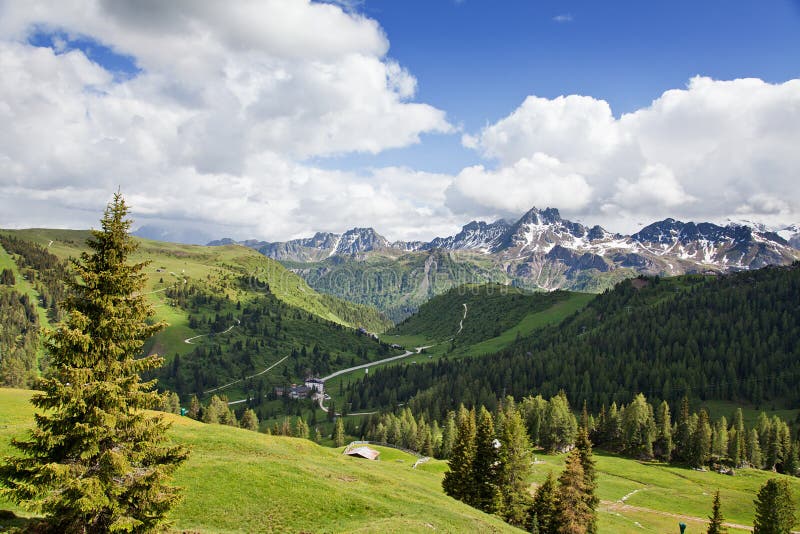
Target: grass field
237	481
241	481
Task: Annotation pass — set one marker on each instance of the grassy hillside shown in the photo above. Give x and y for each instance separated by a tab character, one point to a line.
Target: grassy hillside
485	311
173	262
231	313
241	481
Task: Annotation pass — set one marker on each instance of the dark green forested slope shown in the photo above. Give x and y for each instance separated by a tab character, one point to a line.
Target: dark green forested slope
242	338
490	310
732	337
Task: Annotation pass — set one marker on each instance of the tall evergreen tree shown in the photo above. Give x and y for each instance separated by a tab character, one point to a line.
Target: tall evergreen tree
754	450
700	445
458	482
737	442
638	428
584	448
544	509
485	464
774	508
662	447
338	433
573	515
515	463
96	461
715	525
683	432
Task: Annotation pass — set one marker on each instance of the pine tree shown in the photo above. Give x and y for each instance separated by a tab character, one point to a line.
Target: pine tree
96	461
338	433
700	446
754	450
715	525
448	437
485	464
249	420
737	442
543	512
515	463
662	447
458	482
792	463
774	508
683	432
573	515
638	429
584	448
194	408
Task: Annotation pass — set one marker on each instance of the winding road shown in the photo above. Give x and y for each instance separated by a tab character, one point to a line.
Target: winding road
189	340
229	384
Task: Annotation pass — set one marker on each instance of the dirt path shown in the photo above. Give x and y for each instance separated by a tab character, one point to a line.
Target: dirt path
189	340
617	506
229	384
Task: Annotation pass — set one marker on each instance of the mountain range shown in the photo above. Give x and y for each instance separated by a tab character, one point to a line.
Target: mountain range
664	247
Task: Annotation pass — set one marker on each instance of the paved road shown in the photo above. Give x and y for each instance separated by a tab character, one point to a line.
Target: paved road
370	364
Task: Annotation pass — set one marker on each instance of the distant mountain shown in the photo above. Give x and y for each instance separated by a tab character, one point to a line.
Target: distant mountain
539	251
791	234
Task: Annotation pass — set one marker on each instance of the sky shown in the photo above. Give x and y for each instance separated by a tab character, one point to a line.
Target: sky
274	119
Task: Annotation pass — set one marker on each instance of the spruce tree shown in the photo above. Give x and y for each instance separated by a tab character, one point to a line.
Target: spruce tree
338	433
458	482
249	420
96	461
715	525
584	448
737	443
485	464
662	447
774	508
683	432
700	446
543	512
574	515
515	463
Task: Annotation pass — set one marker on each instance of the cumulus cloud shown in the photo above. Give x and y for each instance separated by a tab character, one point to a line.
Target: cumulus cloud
227	106
540	180
708	151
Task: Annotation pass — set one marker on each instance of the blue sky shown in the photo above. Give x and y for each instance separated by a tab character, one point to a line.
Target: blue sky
273	119
479	59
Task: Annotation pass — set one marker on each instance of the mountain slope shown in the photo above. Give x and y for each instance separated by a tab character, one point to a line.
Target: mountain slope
731	337
291	485
173	262
242	481
541	250
231	312
473	313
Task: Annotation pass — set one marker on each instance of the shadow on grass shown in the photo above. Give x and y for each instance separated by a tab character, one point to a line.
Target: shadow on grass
11	523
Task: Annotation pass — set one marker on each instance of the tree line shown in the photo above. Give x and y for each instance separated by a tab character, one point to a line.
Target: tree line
732	337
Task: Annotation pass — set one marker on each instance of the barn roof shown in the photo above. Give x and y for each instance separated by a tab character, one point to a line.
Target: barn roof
363	452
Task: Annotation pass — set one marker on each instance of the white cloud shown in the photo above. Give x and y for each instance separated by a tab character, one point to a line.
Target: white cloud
566	17
709	151
229	101
540	180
